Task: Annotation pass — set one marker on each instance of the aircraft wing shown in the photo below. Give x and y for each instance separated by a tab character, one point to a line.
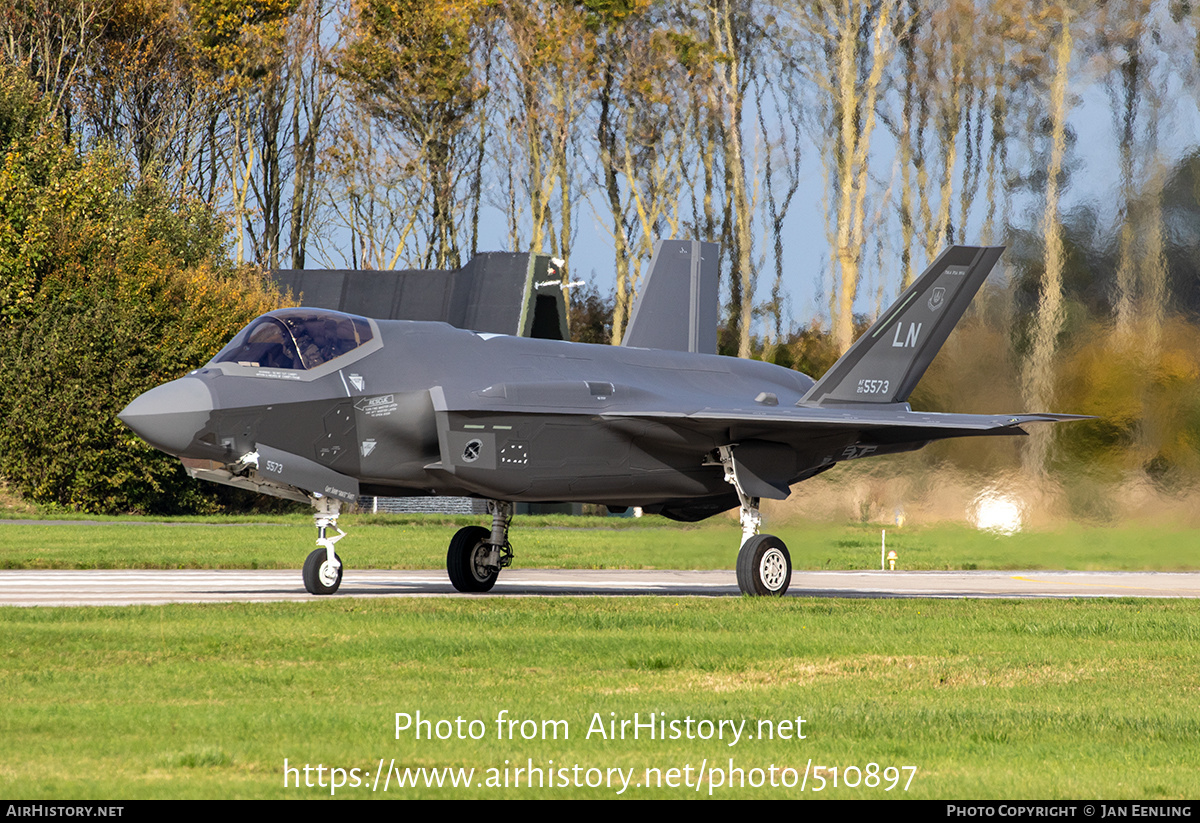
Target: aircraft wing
774	450
851	418
793	424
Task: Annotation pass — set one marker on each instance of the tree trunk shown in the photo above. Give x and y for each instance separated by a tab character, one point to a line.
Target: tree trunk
1049	320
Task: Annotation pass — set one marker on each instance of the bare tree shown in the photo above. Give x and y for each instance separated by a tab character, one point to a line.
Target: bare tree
311	101
641	138
853	43
1050	313
550	51
372	194
411	62
52	40
781	176
1120	36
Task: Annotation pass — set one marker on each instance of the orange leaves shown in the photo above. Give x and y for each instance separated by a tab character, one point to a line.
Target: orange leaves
241	38
1148	402
550	35
414	52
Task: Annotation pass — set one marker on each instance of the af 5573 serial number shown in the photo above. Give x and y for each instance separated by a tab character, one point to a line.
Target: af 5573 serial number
866	386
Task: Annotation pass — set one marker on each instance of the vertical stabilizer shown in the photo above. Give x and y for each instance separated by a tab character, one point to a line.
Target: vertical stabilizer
677	306
885	364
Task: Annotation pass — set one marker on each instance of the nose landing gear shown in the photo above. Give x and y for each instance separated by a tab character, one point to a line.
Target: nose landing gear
323	568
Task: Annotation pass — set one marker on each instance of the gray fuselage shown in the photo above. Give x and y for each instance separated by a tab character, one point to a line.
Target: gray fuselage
428	408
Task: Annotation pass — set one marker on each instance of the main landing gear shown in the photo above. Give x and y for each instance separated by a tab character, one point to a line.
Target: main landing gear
476	555
323	568
764	566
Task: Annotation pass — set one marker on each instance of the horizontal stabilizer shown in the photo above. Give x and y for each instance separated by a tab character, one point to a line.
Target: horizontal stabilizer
885	364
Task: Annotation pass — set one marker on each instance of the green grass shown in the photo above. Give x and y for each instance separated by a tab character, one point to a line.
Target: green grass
1059	699
418	542
1052	699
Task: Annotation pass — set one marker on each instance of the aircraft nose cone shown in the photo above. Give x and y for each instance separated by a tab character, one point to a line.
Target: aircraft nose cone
169	416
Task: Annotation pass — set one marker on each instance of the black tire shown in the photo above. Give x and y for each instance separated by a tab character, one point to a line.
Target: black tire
314	581
468	546
764	567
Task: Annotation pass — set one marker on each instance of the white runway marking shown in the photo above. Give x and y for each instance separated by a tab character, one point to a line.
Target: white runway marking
137	587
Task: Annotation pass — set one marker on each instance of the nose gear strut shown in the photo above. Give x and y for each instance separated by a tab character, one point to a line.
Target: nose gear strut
323	568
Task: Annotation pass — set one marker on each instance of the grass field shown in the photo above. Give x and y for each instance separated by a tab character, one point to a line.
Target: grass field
985	699
1003	699
572	542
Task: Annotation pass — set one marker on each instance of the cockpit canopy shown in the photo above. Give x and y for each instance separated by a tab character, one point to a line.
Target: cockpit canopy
299	339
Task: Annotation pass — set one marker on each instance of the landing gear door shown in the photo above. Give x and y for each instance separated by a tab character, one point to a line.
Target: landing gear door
283	467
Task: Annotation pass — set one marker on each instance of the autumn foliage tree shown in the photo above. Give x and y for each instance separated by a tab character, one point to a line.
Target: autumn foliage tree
409	62
108	288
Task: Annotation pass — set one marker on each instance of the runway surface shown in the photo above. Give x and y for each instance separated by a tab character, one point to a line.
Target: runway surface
123	588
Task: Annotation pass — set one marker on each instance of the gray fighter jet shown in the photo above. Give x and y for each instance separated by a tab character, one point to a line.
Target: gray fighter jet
321	406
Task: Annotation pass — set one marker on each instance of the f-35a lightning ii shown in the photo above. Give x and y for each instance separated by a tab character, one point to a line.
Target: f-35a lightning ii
321	406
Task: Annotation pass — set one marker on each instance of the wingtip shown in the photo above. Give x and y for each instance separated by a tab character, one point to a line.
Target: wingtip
1050	417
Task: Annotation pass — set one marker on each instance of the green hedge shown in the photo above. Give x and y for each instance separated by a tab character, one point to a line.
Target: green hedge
107	288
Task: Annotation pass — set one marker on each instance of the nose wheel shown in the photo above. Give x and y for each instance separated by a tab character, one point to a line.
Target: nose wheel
320	575
323	568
